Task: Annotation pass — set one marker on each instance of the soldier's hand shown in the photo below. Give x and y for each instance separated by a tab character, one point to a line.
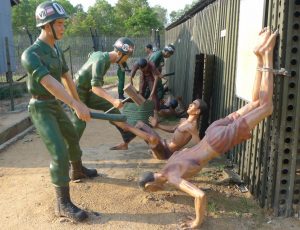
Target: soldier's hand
82	111
153	121
117	103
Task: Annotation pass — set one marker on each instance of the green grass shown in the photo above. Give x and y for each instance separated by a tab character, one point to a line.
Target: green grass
212	206
108	80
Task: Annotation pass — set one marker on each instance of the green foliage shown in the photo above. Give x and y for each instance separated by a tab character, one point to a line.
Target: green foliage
23	15
161	14
77	19
127	18
175	15
142	22
125	13
101	16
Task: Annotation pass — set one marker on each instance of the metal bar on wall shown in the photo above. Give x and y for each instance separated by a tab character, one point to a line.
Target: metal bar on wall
288	119
271	158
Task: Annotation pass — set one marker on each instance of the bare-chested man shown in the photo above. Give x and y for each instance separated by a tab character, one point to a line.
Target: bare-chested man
221	135
183	132
148	79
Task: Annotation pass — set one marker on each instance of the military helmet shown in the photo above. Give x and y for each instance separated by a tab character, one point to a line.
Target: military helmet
47	12
169	48
124	45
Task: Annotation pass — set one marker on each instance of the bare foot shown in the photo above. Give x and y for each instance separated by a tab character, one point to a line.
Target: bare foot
269	45
122	146
190	223
263	37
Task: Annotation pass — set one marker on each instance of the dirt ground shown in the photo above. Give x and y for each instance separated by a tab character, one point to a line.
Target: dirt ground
114	200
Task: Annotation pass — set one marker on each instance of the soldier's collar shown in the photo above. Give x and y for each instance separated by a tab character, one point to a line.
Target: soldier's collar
47	48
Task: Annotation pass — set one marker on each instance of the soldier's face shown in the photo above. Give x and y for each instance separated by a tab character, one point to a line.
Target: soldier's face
167	55
59	28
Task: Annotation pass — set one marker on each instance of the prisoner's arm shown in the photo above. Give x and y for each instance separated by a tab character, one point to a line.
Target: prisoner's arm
153	121
156	75
167	128
57	90
199	195
154	85
132	73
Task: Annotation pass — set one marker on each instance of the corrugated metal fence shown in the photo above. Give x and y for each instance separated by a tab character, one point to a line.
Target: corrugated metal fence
270	162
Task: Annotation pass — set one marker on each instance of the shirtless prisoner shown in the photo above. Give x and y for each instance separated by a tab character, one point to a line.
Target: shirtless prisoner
183	132
221	135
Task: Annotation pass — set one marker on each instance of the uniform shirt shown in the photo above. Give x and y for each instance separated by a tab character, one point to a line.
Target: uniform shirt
158	59
92	72
39	60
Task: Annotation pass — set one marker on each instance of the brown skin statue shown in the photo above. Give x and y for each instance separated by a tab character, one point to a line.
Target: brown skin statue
221	135
183	132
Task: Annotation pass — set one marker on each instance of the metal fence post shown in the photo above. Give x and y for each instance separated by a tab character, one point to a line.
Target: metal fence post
9	78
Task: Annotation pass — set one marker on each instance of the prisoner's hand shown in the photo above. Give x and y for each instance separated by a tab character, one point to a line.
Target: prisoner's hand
153	121
117	103
150	98
81	110
189	224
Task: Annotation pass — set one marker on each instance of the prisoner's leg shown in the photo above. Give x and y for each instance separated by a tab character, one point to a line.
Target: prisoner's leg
263	37
266	89
152	140
98	103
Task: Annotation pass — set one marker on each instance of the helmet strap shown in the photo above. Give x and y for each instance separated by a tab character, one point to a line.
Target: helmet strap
119	59
53	31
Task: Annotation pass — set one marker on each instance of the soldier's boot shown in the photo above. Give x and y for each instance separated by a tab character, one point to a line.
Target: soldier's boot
65	207
78	171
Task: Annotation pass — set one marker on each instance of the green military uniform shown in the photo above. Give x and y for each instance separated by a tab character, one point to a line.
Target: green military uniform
91	74
51	122
158	59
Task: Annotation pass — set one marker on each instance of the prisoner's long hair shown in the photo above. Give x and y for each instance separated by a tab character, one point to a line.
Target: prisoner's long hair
203	109
202	106
145	178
